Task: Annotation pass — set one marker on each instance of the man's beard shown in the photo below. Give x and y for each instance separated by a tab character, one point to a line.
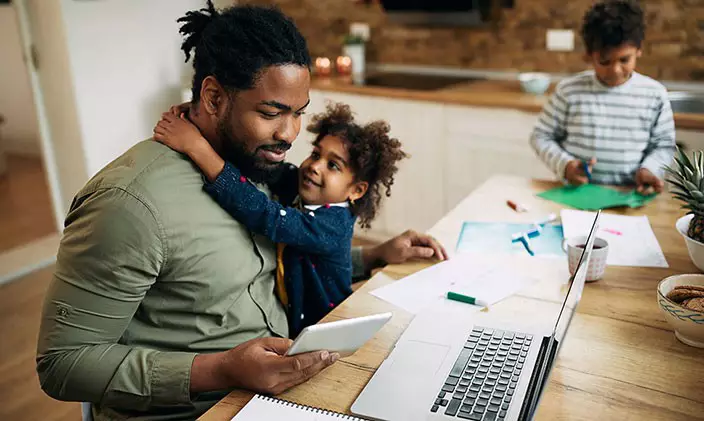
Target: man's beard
250	165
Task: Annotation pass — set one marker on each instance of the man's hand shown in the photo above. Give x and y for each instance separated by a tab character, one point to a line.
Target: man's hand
258	365
648	183
575	174
409	245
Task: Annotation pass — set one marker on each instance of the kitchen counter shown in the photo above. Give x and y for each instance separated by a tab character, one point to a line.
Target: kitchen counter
478	93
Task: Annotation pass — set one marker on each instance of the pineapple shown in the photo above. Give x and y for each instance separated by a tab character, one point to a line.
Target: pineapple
687	180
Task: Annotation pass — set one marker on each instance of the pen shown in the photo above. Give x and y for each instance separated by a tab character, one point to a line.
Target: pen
550	218
588	173
516	206
465	299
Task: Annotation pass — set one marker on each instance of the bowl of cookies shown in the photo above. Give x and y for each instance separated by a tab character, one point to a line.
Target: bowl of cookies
681	300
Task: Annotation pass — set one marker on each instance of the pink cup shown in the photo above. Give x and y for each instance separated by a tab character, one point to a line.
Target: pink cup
597	264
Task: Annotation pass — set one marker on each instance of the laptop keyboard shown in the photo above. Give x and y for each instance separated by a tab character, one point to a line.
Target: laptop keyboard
483	380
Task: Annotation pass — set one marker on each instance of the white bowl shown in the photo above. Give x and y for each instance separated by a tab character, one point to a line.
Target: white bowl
688	324
695	248
534	83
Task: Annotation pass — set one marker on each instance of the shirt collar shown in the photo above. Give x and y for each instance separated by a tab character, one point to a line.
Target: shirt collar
314	207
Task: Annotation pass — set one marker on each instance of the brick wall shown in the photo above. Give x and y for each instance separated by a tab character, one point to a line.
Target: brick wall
674	48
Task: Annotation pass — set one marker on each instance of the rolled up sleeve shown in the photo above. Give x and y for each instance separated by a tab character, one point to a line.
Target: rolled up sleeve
110	255
359	272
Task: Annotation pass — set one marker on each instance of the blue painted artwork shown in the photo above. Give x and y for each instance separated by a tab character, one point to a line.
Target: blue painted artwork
497	237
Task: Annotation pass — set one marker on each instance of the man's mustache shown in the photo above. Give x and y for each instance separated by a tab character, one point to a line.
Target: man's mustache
278	147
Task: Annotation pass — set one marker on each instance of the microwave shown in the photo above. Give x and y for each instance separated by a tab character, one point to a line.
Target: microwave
444	12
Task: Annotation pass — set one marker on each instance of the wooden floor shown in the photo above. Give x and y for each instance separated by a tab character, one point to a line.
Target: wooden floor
21	399
25	203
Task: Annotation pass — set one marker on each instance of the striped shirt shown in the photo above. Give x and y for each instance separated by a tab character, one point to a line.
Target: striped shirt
625	128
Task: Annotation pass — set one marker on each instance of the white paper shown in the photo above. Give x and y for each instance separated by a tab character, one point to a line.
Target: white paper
468	275
631	238
262	408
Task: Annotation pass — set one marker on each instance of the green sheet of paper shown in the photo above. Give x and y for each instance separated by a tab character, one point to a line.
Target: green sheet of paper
593	197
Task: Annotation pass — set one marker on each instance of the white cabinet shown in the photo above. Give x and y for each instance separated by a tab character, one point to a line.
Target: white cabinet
418	194
483	142
453	149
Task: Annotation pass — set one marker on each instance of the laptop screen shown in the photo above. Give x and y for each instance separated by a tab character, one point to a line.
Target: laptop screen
576	285
551	345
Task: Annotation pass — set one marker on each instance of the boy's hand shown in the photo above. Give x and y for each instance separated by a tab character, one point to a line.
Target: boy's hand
575	174
648	183
178	133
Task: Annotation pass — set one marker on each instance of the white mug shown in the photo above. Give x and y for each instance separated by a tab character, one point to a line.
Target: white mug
597	263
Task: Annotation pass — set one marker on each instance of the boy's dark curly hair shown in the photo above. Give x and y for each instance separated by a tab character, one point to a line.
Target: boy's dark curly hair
612	23
373	154
234	45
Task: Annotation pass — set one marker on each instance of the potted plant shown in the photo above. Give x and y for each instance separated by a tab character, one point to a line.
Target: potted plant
687	180
354	48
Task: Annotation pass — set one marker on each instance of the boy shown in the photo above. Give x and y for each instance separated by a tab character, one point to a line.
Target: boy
610	125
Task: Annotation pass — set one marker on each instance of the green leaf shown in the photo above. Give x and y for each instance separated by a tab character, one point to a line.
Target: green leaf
690	186
678	185
686	160
680	197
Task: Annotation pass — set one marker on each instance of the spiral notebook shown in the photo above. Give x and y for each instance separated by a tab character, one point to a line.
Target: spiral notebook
268	408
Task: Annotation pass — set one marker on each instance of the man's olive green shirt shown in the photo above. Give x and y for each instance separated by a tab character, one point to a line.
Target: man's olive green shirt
150	272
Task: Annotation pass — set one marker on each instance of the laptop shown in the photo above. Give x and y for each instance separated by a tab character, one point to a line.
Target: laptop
446	368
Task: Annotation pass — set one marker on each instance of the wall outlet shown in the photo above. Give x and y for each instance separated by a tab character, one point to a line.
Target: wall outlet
360	29
560	40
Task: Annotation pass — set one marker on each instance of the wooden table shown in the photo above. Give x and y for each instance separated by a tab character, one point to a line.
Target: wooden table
620	359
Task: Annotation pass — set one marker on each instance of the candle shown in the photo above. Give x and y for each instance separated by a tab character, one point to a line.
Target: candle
343	65
322	66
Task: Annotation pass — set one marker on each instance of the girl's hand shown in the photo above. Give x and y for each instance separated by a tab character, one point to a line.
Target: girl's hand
178	133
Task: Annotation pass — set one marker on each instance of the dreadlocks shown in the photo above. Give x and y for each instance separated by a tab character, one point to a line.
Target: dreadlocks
234	45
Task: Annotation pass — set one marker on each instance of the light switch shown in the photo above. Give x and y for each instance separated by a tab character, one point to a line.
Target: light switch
560	40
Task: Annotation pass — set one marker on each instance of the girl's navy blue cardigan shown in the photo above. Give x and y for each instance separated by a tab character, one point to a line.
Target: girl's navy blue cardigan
317	261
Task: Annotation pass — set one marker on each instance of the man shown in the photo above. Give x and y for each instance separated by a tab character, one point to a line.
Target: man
161	301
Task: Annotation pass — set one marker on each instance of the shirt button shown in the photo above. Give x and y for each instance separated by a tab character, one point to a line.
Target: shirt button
62	312
311	214
282	212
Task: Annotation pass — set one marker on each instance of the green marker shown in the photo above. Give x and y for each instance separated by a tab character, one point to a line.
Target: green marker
466	299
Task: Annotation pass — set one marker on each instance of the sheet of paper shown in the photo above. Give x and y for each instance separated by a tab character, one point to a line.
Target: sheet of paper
495	237
594	197
468	275
261	408
631	238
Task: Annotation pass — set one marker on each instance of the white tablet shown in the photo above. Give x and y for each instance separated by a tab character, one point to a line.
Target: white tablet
341	336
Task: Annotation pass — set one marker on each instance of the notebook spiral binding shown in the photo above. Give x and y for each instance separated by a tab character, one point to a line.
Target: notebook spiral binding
310	408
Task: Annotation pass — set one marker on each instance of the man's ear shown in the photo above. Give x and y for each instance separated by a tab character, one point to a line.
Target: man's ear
212	95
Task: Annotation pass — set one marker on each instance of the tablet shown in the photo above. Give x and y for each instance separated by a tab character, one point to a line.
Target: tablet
341	336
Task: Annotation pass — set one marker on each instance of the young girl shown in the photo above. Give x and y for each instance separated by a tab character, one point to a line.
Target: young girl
344	178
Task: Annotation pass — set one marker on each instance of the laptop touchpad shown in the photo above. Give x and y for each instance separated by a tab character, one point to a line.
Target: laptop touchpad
417	357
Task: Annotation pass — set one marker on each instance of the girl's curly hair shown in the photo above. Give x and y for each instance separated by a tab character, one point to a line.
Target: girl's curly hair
373	154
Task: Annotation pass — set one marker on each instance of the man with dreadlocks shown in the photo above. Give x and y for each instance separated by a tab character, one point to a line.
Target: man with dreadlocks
160	301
